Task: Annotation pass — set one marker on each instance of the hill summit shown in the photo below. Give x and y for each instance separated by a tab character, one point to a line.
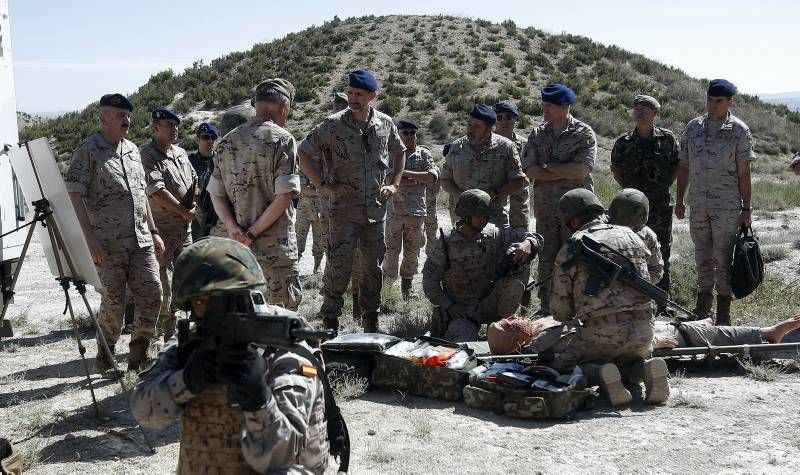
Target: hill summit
432	69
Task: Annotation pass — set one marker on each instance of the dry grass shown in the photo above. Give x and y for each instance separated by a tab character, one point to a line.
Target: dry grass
12	378
349	387
32	453
9	347
378	454
423	429
761	371
681	398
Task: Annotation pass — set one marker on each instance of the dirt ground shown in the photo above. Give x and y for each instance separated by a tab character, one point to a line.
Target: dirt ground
718	419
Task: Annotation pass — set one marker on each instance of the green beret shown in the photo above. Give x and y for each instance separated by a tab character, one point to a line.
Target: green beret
280	85
647	101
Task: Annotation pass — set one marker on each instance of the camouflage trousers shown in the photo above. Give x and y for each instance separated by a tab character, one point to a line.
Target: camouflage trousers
138	270
519	208
714	233
432	217
618	338
283	280
175	239
502	302
554	236
308	216
403	233
346	237
660	221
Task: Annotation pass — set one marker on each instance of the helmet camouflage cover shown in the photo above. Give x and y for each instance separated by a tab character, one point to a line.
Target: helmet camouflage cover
630	207
214	263
578	201
474	203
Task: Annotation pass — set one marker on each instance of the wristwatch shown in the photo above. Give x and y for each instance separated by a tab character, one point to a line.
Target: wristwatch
544	165
250	235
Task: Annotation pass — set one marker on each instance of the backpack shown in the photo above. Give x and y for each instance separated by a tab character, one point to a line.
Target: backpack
747	269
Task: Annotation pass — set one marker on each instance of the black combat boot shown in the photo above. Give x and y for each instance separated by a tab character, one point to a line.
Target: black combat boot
137	359
702	308
723	311
370	322
405	288
317	263
331	323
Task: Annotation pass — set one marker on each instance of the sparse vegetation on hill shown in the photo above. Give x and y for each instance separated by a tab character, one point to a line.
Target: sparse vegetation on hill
433	69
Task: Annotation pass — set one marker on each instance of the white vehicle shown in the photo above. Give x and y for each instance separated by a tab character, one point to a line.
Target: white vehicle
12	212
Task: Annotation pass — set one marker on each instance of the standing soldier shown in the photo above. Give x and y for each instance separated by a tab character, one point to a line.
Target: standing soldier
407	209
519	207
171	182
308	216
431	211
647	159
715	156
559	157
203	163
106	185
485	161
253	185
361	144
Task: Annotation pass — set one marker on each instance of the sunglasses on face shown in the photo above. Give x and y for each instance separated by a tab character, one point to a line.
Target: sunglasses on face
207	137
505	116
408	132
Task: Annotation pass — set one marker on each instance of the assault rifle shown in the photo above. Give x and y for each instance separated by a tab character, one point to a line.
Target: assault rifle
242	317
604	271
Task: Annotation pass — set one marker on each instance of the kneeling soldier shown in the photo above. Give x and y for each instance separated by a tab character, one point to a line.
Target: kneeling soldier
239	411
473	275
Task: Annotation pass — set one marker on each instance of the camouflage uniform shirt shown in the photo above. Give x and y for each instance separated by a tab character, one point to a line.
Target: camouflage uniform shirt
461	269
171	171
519	201
111	180
255	162
358	155
410	200
274	437
647	164
487	168
567	298
713	153
575	144
655	263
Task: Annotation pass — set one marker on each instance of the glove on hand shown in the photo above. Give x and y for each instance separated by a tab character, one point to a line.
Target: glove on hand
201	370
242	369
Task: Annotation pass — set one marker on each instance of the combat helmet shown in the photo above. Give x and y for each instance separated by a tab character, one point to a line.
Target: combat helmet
474	203
234	117
630	207
214	263
576	202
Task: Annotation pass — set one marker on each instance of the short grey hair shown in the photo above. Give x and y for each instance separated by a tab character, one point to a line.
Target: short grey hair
273	96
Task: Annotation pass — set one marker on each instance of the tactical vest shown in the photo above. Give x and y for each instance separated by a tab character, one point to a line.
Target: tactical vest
211	435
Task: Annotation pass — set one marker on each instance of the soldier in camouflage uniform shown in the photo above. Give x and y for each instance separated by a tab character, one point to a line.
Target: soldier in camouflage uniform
614	328
507	117
467	276
647	159
558	157
106	184
716	151
360	144
203	163
170	177
240	411
794	166
407	209
308	216
631	208
486	161
253	185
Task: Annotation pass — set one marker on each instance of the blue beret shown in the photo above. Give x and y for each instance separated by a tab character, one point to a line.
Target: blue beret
116	100
407	124
207	128
721	88
506	106
446	149
362	79
558	94
484	113
164	113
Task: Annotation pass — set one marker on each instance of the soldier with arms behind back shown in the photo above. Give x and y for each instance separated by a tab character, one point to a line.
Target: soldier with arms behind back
240	411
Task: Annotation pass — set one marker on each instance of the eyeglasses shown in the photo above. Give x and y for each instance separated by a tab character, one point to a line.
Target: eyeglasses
505	116
408	132
207	137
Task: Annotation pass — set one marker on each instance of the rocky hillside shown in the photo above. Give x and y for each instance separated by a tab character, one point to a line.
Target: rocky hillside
433	69
25	120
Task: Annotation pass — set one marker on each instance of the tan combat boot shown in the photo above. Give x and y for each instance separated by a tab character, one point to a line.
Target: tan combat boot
608	378
656	386
703	306
723	318
102	364
137	359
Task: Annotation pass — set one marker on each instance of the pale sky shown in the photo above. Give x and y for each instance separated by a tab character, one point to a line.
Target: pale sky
68	53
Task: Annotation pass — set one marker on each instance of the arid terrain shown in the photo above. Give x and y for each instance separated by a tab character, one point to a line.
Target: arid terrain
720	418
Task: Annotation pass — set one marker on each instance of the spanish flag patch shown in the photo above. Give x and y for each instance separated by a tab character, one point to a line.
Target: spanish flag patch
309	371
